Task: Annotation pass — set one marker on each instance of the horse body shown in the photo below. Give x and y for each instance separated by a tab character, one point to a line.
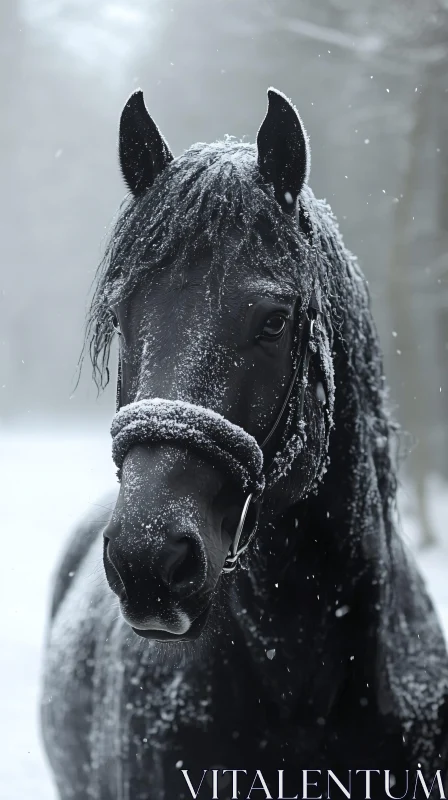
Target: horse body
322	650
279	682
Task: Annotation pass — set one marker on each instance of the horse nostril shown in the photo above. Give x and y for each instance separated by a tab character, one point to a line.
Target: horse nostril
115	579
183	567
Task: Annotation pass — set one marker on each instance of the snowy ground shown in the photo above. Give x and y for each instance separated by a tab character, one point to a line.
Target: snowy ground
46	481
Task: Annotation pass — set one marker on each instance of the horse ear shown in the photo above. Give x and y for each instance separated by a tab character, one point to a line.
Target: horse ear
283	151
143	151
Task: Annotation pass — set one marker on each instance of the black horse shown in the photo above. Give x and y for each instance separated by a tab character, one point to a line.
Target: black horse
252	401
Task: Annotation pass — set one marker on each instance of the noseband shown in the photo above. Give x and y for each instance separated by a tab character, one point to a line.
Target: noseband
225	444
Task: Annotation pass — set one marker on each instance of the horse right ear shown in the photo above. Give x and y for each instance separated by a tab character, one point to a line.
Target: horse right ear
143	151
283	150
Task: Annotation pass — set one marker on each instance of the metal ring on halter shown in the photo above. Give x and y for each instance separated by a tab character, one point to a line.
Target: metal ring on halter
235	550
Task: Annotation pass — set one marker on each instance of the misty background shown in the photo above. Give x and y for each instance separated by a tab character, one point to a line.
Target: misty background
370	80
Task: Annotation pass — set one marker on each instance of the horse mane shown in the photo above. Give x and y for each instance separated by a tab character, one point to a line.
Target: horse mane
361	393
194	205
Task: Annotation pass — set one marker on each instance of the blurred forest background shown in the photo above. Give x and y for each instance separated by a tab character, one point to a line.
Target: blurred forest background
370	80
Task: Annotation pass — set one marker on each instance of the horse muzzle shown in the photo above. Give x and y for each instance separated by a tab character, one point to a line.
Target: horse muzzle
222	443
170	538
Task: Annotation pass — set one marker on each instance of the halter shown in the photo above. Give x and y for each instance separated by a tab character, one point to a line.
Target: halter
305	347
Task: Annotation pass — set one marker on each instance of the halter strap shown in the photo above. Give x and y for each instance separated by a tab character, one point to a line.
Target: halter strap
314	308
243	537
119	381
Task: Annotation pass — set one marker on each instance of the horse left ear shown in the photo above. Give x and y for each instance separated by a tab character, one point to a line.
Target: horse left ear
283	150
143	151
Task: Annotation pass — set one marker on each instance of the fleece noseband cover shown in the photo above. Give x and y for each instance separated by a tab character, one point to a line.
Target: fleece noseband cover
224	444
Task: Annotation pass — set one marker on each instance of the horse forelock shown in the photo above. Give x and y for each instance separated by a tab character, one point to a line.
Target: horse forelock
210	200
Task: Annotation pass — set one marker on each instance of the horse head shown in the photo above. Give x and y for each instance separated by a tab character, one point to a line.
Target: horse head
225	368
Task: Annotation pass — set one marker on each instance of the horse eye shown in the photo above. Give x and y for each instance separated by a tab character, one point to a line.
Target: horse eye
274	326
115	323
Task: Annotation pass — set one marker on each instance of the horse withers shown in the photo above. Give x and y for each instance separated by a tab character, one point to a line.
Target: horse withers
259	609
